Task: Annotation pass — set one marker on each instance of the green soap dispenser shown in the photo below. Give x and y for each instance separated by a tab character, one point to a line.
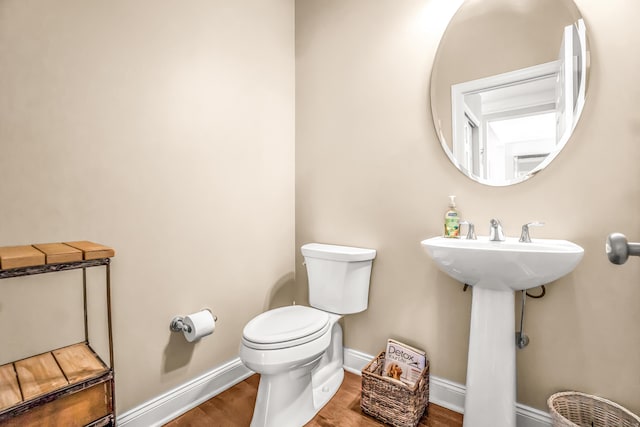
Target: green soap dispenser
452	220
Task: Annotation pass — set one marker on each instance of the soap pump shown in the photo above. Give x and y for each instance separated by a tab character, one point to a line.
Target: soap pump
452	220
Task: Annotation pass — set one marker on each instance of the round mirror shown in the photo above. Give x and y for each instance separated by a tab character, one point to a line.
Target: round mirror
508	86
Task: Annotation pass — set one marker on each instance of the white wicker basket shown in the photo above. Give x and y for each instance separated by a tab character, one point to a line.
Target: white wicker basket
575	409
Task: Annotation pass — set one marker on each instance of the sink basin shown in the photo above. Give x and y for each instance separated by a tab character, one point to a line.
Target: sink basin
508	265
495	270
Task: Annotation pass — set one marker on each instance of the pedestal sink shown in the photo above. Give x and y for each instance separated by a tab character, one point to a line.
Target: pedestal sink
495	270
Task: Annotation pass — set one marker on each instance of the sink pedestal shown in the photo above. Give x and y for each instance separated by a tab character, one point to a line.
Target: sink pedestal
495	270
490	399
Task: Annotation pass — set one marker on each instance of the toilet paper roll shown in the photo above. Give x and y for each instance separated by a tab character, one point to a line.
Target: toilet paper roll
199	324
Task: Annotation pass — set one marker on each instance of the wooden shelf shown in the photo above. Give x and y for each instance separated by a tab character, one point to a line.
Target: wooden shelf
69	384
14	257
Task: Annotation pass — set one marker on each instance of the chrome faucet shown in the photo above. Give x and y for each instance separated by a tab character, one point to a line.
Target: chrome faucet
471	233
495	232
525	237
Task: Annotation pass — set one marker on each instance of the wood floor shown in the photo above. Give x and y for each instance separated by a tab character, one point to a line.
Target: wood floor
234	408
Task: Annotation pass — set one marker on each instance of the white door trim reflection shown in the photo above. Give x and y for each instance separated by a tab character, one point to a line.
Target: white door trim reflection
556	87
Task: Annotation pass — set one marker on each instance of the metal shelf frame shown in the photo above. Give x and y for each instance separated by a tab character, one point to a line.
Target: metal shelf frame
108	420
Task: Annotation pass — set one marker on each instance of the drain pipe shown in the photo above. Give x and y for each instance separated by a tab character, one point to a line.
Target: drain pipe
521	339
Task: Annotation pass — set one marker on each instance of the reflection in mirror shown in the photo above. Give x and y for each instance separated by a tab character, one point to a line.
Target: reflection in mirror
508	86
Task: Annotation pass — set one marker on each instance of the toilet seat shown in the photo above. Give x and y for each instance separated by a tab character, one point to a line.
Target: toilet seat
285	327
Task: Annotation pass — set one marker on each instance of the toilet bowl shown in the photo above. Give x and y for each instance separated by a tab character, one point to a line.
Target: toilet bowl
297	350
292	386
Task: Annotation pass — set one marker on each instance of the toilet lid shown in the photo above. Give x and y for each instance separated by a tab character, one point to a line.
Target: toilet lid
285	327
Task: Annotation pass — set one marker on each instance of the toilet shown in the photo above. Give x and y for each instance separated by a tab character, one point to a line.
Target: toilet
297	350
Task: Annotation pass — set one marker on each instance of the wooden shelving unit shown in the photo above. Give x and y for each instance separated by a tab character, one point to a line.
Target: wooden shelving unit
69	386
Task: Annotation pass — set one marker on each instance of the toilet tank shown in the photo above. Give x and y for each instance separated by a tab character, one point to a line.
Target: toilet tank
338	277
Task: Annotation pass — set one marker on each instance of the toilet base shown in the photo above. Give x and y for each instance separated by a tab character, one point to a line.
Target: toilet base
293	398
324	392
292	404
296	403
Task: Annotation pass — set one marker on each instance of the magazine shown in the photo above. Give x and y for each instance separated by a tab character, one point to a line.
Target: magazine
403	362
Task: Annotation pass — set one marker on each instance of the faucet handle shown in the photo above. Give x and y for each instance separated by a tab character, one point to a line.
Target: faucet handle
471	233
495	231
525	237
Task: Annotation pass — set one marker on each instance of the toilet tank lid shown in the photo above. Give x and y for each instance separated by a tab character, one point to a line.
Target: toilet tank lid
337	253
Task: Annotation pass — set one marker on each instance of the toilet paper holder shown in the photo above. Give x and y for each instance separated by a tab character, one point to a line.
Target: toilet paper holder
178	325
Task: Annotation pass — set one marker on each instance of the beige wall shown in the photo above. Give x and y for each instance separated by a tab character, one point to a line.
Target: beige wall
163	129
370	172
167	131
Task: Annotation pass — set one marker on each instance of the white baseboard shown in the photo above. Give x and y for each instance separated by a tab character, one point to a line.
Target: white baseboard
173	403
448	394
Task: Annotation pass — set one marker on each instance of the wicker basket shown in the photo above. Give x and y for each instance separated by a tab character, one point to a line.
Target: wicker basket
391	401
575	409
